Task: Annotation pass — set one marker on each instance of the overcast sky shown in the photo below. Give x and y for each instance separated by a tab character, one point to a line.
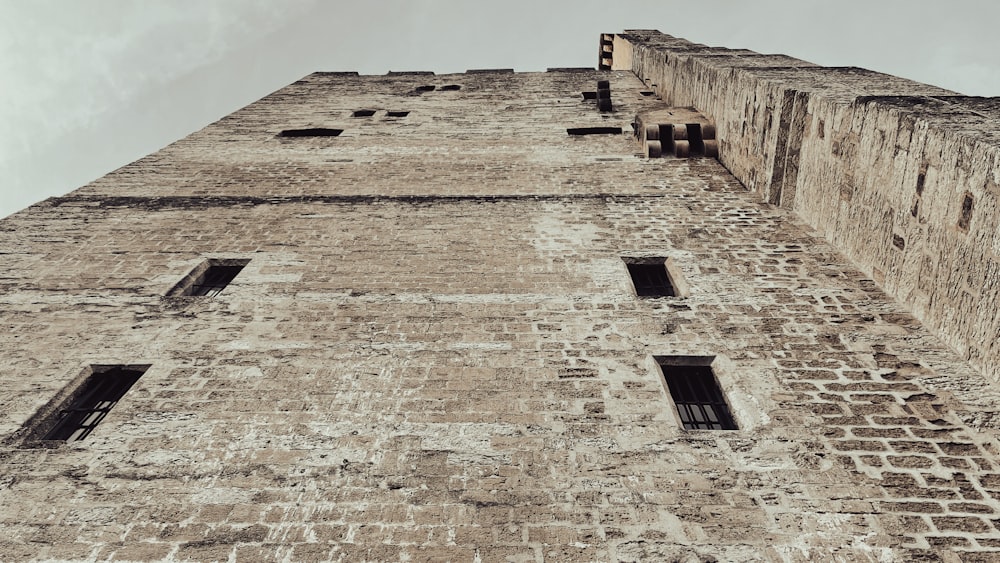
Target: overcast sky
88	86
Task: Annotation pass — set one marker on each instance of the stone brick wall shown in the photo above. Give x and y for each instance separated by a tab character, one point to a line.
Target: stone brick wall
900	176
435	352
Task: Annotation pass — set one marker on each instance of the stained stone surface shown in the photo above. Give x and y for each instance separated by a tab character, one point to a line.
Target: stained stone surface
435	351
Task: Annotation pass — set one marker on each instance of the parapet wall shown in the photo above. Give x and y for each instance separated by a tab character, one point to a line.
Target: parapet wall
902	177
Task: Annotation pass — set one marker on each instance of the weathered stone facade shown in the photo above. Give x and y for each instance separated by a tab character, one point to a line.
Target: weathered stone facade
435	351
902	177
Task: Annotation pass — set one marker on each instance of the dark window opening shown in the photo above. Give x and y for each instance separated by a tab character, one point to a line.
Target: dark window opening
214	280
594	131
966	217
696	393
91	402
695	140
363	113
209	278
397	113
313	132
590	95
647	93
651	279
426	88
451	87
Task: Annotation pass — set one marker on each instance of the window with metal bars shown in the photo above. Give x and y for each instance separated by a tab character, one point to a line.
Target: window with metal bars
696	393
91	402
214	280
209	278
651	279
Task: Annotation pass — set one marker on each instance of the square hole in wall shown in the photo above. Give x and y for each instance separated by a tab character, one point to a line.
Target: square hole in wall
363	113
696	393
397	113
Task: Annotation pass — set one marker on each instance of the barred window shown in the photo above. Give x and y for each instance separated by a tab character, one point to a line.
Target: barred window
696	393
656	276
91	402
650	280
209	278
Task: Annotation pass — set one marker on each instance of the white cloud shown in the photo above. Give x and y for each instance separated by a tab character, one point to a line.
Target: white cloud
79	60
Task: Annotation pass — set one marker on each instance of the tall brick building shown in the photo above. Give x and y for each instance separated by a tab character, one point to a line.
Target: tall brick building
700	304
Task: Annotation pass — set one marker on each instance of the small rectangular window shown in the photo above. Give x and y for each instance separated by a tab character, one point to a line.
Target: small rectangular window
215	279
397	113
696	393
363	113
656	276
209	278
90	402
650	280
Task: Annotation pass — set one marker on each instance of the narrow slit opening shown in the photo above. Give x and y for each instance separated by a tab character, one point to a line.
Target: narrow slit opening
311	132
594	131
966	217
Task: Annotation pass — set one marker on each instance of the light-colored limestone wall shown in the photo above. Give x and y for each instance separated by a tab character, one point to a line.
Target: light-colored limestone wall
435	352
878	165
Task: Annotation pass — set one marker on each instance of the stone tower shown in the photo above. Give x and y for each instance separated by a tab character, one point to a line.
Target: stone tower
700	304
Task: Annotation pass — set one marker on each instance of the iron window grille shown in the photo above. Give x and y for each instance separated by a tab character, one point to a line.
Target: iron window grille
651	280
209	278
91	403
214	280
696	393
